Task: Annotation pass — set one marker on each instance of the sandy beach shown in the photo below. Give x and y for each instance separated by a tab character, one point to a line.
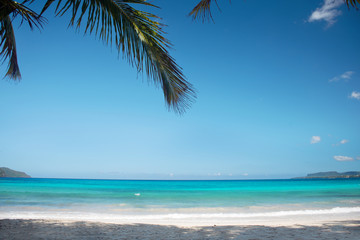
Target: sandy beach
76	230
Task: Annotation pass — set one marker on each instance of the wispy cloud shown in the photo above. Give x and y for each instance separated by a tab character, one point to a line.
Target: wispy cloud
345	76
327	12
344	141
343	158
315	139
358	158
355	95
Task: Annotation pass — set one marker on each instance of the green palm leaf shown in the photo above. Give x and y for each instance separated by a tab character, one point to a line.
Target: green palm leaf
202	10
9	48
7	43
138	35
14	9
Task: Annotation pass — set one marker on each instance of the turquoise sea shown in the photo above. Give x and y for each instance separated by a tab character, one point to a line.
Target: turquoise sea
37	198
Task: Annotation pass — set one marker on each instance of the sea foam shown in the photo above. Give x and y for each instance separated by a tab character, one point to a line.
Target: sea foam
98	216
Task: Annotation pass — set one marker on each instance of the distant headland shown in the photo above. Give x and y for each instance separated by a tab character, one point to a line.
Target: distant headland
331	175
7	172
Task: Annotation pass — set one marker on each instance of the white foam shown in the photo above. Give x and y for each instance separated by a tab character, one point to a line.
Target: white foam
98	216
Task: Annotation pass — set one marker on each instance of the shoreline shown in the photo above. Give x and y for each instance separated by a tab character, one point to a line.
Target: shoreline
187	220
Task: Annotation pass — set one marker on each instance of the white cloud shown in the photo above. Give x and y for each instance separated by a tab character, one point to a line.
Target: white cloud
346	75
341	142
328	12
355	95
343	158
357	158
315	139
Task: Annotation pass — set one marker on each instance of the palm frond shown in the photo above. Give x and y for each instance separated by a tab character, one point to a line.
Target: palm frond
8	48
353	3
138	35
9	7
13	9
202	10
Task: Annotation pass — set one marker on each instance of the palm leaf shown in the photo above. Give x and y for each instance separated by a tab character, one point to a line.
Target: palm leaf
202	10
352	3
9	7
138	35
7	43
8	48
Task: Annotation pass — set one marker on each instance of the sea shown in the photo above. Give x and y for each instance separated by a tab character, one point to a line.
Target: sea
134	200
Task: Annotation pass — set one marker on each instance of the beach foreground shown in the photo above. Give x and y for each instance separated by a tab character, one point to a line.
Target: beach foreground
75	230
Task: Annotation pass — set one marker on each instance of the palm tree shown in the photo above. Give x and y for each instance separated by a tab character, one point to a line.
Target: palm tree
202	9
138	35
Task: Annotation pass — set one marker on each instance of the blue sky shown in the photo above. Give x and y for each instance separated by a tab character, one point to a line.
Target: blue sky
278	95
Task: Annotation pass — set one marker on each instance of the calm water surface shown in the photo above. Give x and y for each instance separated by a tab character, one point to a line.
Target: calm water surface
149	197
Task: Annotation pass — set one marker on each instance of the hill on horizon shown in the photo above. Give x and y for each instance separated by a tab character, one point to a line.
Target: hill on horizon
7	172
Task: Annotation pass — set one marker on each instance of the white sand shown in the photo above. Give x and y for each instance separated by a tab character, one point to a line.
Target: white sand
317	227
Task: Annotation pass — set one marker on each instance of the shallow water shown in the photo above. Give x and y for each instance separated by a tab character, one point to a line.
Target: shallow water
176	199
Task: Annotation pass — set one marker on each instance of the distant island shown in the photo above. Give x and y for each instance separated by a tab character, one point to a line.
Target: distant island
9	173
331	175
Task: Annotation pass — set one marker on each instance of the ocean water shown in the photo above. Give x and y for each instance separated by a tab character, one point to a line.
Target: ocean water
141	199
